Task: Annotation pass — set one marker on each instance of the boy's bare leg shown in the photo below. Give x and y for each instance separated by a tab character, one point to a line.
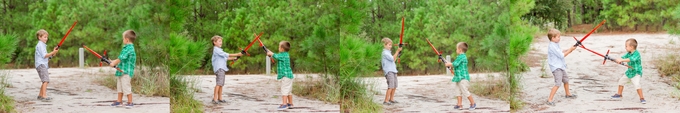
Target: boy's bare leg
43	90
387	94
283	98
472	101
219	93
120	97
620	90
639	91
460	100
566	89
552	93
129	98
290	99
392	94
215	94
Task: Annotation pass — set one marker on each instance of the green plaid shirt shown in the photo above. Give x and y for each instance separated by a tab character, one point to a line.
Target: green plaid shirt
283	65
128	58
635	63
460	68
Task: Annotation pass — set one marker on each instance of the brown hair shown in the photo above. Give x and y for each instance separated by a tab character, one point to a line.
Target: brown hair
40	32
386	41
462	46
552	33
632	42
215	38
285	45
130	35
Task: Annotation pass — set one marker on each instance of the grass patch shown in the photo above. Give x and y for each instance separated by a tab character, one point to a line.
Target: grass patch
150	82
6	102
359	97
182	98
496	88
321	88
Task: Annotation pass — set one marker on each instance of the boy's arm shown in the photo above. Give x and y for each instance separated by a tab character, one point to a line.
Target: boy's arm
114	62
235	55
232	58
619	60
396	53
54	51
566	52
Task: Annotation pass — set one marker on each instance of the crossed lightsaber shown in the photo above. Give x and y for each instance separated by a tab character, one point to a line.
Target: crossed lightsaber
244	51
579	43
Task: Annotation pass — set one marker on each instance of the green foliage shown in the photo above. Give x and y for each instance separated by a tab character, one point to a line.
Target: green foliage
549	11
357	59
182	96
9	45
186	54
6	102
634	13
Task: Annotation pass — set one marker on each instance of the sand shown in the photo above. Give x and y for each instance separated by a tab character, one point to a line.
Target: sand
74	91
432	93
254	93
594	83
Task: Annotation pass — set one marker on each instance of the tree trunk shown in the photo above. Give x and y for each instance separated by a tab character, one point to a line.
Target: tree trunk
569	18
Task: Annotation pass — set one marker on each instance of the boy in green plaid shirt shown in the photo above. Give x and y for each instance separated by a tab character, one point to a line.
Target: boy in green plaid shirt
126	62
461	79
285	74
633	74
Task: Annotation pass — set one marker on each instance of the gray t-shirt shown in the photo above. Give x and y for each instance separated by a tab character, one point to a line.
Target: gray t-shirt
387	62
219	59
40	52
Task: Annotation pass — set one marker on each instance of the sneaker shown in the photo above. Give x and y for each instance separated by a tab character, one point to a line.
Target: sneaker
550	103
643	101
283	107
387	103
222	101
617	96
290	106
46	99
129	106
572	96
215	102
473	106
116	104
393	101
459	107
40	98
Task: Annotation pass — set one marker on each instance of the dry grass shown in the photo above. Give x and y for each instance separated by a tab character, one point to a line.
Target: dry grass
150	82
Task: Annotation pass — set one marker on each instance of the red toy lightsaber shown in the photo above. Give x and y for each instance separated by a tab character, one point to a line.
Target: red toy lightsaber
107	61
266	51
247	47
69	32
591	31
401	40
606	56
440	55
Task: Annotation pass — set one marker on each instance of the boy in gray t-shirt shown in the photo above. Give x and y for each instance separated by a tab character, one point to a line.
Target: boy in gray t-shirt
390	69
42	61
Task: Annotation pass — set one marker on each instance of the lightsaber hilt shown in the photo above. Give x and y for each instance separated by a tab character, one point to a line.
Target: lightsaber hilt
400	52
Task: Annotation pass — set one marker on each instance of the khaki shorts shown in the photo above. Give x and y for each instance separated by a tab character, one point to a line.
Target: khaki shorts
123	84
635	80
43	74
391	80
461	88
286	86
560	77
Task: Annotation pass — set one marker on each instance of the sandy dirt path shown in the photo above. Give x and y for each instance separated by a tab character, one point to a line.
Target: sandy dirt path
431	94
74	91
254	94
594	83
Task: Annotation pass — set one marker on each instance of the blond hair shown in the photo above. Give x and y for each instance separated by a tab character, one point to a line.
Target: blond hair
130	35
462	46
386	41
40	33
215	38
632	42
552	33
